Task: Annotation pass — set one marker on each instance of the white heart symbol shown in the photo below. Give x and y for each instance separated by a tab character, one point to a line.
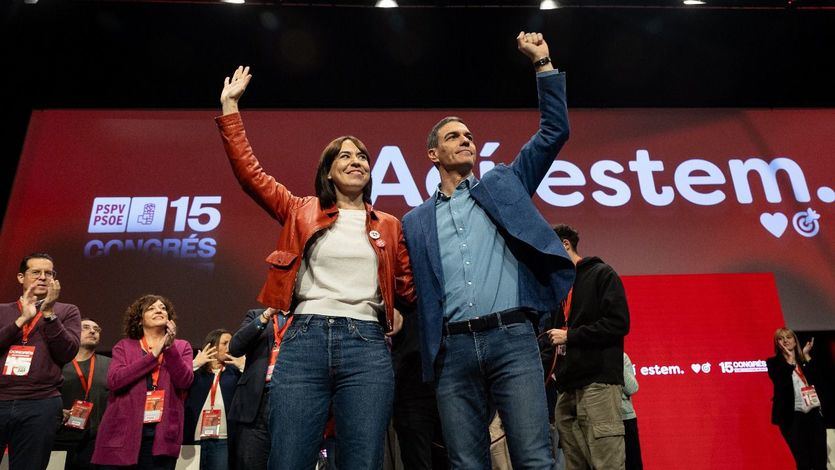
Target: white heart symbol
775	223
696	368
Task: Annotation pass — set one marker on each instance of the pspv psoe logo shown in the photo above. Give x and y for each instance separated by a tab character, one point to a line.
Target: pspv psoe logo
149	215
126	214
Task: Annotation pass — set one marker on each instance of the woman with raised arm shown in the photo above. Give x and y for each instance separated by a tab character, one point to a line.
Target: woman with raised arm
795	407
338	269
148	378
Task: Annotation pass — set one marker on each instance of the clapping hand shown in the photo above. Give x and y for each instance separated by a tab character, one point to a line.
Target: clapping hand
204	356
29	308
238	362
807	348
53	290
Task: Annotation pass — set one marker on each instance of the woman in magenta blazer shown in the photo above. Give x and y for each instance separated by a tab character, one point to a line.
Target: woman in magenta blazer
148	378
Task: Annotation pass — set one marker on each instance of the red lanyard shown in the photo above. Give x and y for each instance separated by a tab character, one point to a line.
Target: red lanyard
278	335
566	308
214	389
86	383
27	328
155	372
801	375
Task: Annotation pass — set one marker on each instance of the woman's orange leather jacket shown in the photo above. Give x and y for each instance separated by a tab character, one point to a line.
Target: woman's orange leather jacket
302	218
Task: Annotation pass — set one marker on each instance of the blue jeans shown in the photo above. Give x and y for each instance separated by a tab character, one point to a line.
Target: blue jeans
496	369
28	428
331	362
214	454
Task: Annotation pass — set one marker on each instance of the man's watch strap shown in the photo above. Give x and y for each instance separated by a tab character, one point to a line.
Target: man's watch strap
543	61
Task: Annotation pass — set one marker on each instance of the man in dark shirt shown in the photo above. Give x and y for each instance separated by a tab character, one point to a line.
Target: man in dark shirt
85	384
37	337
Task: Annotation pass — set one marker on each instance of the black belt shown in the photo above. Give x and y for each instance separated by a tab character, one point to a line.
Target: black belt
487	322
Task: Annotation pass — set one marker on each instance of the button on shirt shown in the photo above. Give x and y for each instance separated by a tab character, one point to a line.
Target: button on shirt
481	275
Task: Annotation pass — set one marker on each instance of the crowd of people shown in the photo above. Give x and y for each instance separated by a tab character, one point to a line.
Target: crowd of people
513	342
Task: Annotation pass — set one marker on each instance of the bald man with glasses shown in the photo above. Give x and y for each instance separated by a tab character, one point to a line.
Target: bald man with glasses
38	336
84	395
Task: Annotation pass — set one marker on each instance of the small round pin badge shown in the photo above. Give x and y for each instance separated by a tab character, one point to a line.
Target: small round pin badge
374	234
380	243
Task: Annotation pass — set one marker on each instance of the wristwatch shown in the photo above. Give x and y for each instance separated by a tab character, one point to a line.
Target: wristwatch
543	61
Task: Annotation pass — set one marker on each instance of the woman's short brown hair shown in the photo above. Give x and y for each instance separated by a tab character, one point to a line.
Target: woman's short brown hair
133	315
325	190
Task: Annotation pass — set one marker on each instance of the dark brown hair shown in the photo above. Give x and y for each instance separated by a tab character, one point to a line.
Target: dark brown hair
567	232
133	315
24	263
432	138
325	190
213	339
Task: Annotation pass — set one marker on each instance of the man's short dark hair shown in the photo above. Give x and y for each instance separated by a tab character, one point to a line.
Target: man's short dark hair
432	139
24	263
567	232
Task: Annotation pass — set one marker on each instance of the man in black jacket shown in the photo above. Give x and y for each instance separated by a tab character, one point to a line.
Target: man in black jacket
249	445
589	373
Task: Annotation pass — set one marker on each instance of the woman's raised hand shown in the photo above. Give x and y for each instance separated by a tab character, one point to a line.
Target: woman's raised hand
233	89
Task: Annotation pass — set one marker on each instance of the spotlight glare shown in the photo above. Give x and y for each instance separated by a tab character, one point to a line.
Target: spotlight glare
549	5
386	4
237	2
694	2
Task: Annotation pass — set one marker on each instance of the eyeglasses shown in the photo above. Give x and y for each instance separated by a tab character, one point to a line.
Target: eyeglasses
37	273
95	329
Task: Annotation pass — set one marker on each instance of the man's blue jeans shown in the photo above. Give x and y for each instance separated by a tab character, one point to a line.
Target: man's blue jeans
496	369
328	361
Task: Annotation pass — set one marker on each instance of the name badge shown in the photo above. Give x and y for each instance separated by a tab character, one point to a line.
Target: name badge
810	396
210	424
154	402
79	414
19	360
560	349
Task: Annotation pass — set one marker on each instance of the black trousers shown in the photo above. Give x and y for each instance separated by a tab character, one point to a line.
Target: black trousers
418	429
632	444
147	460
806	437
28	428
79	453
249	443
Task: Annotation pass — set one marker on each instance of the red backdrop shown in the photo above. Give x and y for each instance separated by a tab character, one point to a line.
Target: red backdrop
683	203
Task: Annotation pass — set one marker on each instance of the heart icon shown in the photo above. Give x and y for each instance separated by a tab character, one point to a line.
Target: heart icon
696	367
775	223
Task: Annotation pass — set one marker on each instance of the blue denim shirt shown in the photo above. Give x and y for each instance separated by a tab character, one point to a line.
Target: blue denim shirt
481	275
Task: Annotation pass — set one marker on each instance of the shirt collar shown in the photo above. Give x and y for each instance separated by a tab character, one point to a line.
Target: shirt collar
464	185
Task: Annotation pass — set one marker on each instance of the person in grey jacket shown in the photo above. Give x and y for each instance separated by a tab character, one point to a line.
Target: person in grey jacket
630	419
